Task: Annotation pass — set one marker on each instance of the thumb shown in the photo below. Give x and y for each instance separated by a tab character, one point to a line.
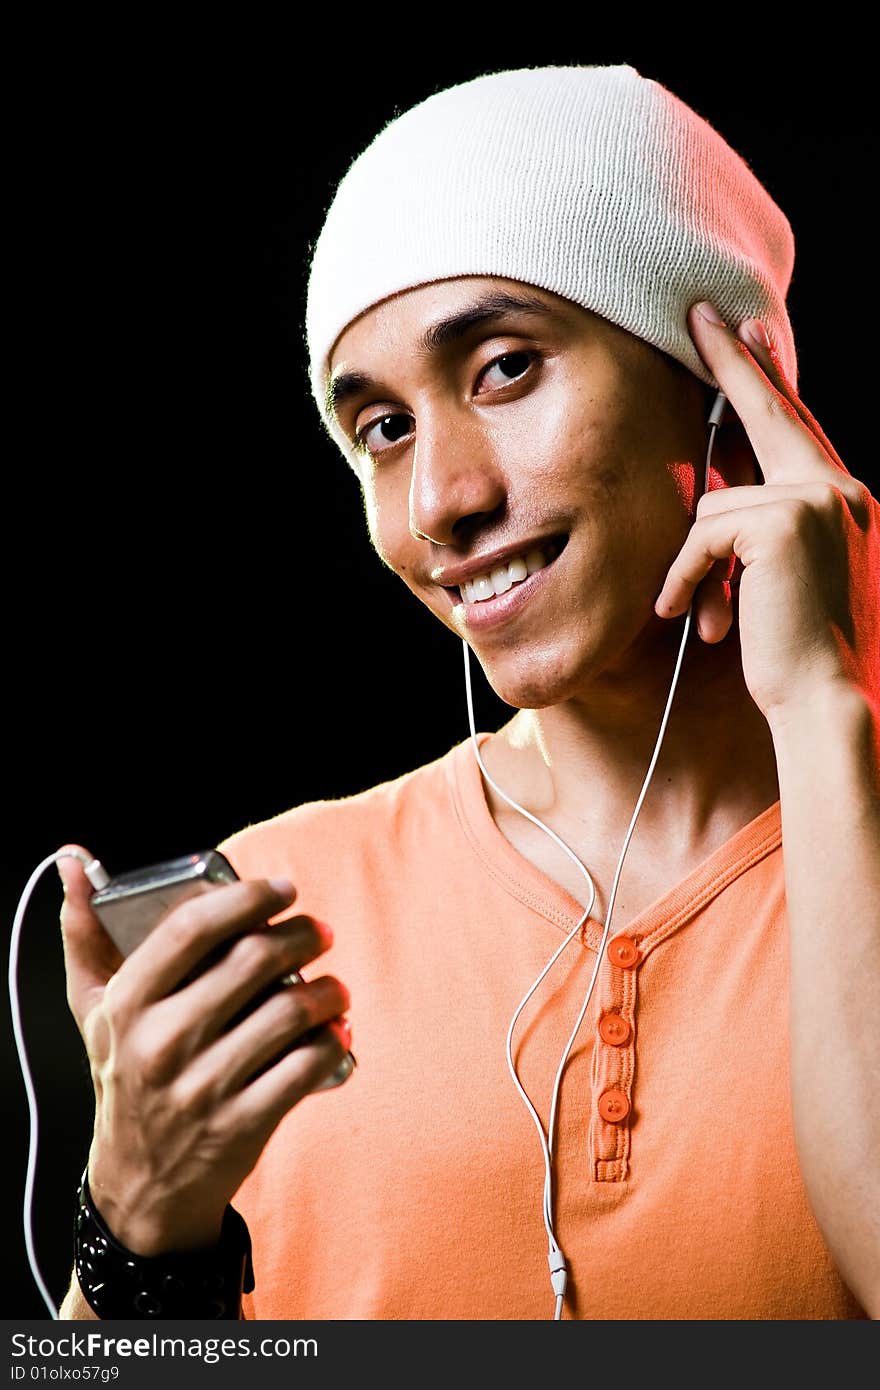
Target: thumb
90	957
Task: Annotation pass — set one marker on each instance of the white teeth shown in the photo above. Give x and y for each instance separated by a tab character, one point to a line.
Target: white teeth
483	587
503	577
518	569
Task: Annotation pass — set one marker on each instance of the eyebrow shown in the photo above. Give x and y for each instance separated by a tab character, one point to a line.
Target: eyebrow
492	305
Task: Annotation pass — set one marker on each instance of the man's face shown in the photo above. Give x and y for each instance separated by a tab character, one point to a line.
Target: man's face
541	451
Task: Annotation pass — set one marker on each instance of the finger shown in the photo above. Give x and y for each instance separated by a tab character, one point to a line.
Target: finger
786	449
187	935
712	603
259	1106
743	532
90	957
283	1021
255	962
728	499
753	333
711	539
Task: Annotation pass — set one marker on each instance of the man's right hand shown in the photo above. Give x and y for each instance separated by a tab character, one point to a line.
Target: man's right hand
183	1107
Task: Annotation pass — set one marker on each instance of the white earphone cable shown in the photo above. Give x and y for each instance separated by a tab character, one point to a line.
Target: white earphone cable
97	876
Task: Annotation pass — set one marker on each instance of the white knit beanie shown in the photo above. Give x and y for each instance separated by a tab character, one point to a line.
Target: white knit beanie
595	183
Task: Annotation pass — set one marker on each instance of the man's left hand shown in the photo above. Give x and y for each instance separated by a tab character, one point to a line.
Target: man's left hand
807	539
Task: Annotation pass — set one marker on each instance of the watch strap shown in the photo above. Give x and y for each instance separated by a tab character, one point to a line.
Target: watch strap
117	1283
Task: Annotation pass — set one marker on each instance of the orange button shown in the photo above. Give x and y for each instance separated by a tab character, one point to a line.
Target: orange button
613	1106
614	1030
623	951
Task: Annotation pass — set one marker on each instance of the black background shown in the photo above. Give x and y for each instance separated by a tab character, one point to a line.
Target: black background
198	634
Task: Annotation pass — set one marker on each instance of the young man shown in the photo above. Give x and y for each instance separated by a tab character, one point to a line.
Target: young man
526	295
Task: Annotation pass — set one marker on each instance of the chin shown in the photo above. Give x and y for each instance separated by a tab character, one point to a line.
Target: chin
537	683
579	660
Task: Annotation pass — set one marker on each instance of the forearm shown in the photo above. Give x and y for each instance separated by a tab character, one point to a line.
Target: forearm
828	759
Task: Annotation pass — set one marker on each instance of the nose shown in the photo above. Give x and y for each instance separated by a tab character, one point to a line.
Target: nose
456	481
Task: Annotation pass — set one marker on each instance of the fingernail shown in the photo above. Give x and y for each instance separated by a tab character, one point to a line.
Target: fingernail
283	887
58	864
342	1028
709	312
754	330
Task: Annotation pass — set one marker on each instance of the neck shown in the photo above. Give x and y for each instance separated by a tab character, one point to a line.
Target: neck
581	765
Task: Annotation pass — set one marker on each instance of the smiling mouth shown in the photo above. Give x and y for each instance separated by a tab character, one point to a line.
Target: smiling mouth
497	581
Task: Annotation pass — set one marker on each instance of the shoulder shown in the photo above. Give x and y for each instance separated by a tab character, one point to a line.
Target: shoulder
379	816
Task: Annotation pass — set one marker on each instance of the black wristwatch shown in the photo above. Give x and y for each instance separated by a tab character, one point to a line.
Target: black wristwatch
117	1283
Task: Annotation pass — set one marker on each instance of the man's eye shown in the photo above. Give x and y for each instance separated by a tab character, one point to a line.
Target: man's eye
510	366
389	428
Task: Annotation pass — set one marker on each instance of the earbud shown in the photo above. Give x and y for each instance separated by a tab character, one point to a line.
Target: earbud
717	410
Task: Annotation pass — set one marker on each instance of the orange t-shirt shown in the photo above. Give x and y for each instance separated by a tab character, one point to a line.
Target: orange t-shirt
414	1191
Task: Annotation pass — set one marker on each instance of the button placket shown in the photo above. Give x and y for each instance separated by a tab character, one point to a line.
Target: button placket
614	1062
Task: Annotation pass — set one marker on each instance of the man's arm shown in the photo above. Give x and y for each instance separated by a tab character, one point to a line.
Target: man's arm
808	539
185	1096
828	758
